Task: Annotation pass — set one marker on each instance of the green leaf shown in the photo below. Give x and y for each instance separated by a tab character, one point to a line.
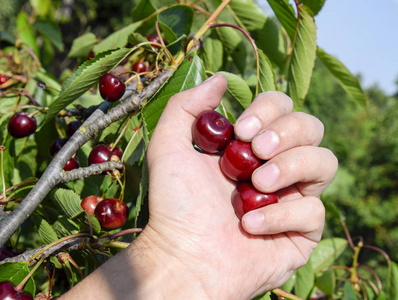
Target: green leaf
327	251
41	6
142	10
267	80
347	81
64	226
314	5
136	38
118	39
16	272
393	281
135	147
52	32
82	45
189	74
304	281
239	89
46	232
84	78
349	292
68	201
266	296
143	189
303	57
326	282
179	18
25	32
248	13
213	53
95	224
285	14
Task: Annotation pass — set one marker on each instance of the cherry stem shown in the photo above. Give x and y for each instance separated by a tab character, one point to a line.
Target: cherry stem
131	140
2	148
123	232
285	295
121	134
349	239
252	42
16	192
116	244
16	185
23	93
20	286
162	42
371	271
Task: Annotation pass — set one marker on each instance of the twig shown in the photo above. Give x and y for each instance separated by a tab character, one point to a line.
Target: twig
86	172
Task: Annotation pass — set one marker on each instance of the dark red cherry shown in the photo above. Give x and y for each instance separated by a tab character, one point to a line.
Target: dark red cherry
57	145
72	127
238	160
73	163
89	203
21	125
90	55
246	198
111	88
140	67
212	132
8	292
102	153
153	38
111	213
3	79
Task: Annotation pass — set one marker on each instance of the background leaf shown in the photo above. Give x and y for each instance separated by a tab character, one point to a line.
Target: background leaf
179	18
16	272
238	89
304	281
303	57
45	230
285	14
267	80
68	201
347	81
327	251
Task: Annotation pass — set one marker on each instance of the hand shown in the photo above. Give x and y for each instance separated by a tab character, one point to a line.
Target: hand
191	214
194	246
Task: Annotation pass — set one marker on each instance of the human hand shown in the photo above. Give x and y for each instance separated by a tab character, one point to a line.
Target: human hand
191	216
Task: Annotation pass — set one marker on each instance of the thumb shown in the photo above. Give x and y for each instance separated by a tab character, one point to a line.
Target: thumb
174	128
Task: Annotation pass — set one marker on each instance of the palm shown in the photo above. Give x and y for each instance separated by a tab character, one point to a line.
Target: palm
201	208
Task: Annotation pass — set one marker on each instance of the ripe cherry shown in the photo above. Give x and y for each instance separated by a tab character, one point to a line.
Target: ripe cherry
140	66
72	127
153	38
8	292
89	203
111	213
3	79
238	160
212	132
72	163
21	125
111	88
57	145
102	153
246	198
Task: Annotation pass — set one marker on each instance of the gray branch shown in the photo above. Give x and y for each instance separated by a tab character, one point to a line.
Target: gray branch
86	172
98	121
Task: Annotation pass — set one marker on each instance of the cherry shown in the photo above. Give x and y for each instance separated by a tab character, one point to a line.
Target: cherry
21	125
140	67
57	145
89	203
72	127
111	88
238	160
102	153
212	132
111	213
90	55
8	292
3	79
72	163
153	38
246	198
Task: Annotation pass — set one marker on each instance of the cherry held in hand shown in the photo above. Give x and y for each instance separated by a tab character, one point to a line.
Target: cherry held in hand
246	198
111	213
238	161
212	132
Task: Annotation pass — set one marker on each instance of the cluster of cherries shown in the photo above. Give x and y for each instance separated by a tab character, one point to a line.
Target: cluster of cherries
213	133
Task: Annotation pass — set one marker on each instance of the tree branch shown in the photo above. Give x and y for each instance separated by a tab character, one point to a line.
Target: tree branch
52	176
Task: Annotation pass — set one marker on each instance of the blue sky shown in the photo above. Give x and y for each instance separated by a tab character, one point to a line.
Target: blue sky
363	35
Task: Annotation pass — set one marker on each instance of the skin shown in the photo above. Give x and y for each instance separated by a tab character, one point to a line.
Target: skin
194	247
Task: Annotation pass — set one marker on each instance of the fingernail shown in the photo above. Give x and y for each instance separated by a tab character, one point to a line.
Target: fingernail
247	128
210	79
266	143
253	220
266	176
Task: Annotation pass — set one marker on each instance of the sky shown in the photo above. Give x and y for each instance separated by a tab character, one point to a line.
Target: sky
363	35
